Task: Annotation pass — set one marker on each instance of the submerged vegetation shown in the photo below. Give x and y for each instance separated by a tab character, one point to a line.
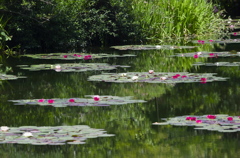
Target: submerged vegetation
67	24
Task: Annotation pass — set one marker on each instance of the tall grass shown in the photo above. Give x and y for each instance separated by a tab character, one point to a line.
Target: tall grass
173	20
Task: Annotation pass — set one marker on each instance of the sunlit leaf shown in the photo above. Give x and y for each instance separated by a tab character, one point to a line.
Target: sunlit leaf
54	135
156	77
150	47
73	56
218	123
89	101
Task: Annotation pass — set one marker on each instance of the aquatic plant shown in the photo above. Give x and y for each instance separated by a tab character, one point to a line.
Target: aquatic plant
50	135
219	122
150	47
176	20
92	101
71	67
74	56
217	64
218	41
4	76
207	54
156	77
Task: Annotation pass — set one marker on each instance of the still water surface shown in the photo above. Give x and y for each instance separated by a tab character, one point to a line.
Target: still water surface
135	136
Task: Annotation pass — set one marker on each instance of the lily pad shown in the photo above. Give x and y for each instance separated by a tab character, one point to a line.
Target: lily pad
150	47
55	135
74	56
217	64
71	67
207	54
217	41
89	101
220	123
157	77
9	77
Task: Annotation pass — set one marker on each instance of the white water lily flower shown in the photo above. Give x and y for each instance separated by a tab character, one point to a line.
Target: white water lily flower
163	78
134	77
199	53
158	47
150	71
124	74
58	67
27	134
4	128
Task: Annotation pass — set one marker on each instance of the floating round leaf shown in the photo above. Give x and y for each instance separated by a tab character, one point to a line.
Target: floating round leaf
220	123
61	136
90	101
72	67
156	77
150	47
73	56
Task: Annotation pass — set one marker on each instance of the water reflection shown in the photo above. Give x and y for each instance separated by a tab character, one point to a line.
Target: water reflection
132	123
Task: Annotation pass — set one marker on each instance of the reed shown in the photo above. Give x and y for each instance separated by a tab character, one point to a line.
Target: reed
174	20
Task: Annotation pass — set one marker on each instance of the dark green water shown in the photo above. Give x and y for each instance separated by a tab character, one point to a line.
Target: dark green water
131	123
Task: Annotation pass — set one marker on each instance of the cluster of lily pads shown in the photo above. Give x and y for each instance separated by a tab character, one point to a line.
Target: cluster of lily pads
4	76
89	101
218	41
220	123
150	47
217	64
73	56
207	54
49	135
71	67
157	77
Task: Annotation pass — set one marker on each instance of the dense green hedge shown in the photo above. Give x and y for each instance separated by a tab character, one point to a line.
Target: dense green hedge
60	25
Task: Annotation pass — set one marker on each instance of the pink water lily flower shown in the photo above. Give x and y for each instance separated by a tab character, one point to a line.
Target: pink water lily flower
71	100
195	56
188	118
210	40
193	118
86	57
198	121
211	116
96	98
203	80
235	33
65	56
75	55
203	42
41	100
78	55
230	119
183	76
50	101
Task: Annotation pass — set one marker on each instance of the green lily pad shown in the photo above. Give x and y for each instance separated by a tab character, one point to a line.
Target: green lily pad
90	101
157	77
217	41
217	64
220	123
56	135
71	67
150	47
207	54
73	56
9	77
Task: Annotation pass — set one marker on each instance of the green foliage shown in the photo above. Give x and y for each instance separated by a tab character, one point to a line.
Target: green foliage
3	35
64	24
176	19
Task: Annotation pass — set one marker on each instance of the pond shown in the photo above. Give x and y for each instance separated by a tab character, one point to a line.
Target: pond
129	125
